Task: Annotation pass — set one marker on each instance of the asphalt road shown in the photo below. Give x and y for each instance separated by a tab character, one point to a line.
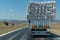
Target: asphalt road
15	35
24	34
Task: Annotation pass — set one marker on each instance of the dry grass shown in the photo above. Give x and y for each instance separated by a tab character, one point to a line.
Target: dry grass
55	25
55	28
55	31
5	29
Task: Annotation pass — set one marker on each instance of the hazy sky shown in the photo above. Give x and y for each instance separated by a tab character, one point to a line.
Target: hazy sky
16	9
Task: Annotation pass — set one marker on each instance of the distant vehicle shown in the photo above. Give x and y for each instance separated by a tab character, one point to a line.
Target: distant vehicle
40	16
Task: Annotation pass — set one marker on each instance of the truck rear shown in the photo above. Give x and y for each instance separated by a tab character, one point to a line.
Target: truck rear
40	16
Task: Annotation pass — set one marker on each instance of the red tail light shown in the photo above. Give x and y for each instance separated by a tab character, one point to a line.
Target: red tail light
34	26
46	26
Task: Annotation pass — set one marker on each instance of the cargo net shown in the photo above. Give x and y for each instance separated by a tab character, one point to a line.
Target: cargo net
41	10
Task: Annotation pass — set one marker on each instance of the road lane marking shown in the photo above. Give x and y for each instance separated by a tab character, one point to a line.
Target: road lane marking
20	35
14	36
24	36
10	32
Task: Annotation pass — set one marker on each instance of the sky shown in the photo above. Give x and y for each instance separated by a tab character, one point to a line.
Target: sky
16	9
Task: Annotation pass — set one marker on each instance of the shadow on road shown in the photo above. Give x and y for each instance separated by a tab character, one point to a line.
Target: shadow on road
46	36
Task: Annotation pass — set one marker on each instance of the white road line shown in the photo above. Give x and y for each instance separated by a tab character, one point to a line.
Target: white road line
25	36
14	36
10	32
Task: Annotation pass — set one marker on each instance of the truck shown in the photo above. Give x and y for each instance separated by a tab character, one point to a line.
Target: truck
40	16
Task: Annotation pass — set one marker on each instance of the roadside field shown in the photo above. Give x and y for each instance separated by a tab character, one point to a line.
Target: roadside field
55	25
5	29
55	28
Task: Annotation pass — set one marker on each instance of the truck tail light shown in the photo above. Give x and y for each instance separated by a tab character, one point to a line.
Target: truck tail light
46	26
34	26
